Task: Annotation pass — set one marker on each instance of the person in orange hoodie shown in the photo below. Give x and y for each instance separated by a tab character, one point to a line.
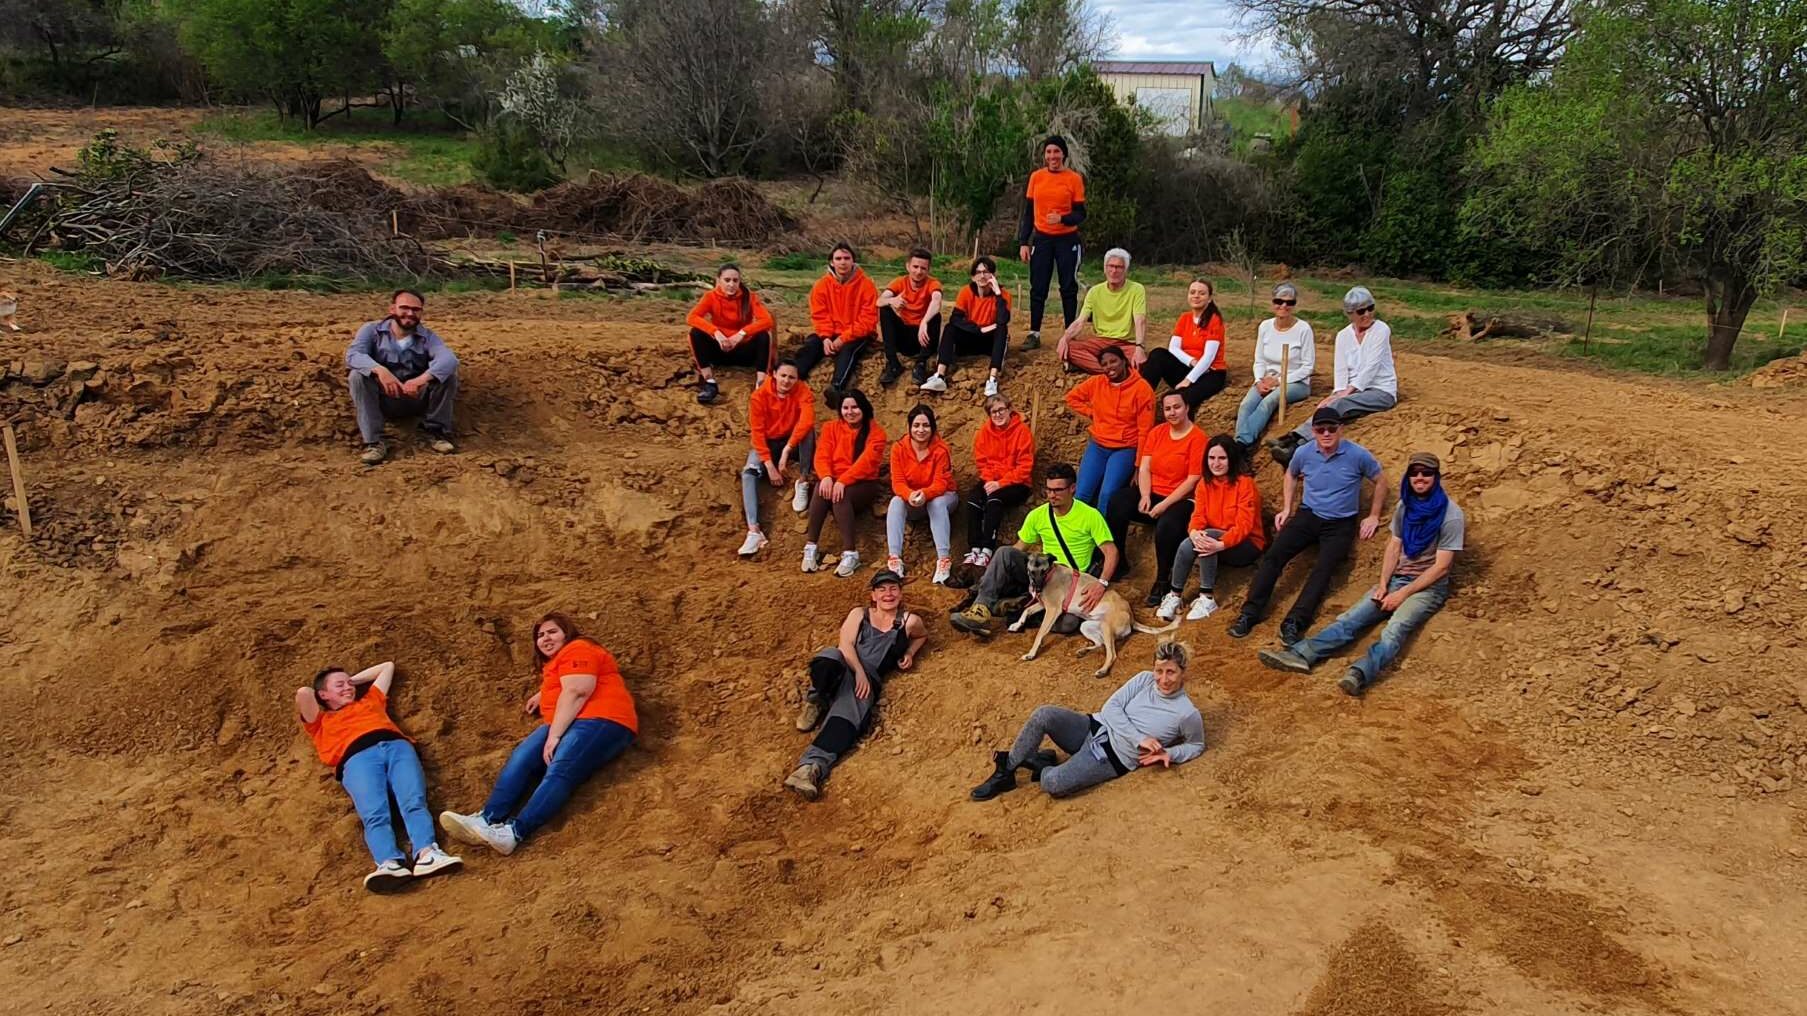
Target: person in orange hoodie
1193	360
1121	407
850	454
843	311
1004	454
980	323
922	477
909	318
781	416
1225	529
730	327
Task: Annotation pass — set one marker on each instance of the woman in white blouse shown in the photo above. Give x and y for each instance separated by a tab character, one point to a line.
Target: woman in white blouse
1282	331
1364	376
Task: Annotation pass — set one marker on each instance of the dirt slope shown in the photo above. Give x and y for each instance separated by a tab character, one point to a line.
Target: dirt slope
1577	795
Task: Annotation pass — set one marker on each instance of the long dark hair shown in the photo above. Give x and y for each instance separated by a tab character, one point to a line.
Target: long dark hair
1231	451
746	295
865	404
921	409
565	624
1210	309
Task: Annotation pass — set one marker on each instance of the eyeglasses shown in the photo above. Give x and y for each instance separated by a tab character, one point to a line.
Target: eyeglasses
1057	490
1369	309
1326	428
1417	471
1000	411
1285	303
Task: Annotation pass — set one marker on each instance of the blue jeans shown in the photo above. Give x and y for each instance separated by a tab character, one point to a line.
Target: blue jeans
1365	614
587	746
370	777
1102	471
1257	410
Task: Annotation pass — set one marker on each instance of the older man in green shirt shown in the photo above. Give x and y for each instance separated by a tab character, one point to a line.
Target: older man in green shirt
1118	311
1072	532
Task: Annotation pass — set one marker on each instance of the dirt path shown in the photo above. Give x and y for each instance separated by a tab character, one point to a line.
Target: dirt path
1578	794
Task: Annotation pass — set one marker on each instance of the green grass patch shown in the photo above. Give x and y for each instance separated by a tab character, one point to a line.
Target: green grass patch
1247	119
72	261
425	149
1675	350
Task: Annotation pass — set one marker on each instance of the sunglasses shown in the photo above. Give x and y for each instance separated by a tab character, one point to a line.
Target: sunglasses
1285	303
1326	428
1420	471
1369	309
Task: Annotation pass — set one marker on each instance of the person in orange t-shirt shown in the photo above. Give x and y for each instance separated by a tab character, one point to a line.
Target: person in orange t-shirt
1004	455
909	318
1048	235
922	477
587	721
843	313
1168	466
1193	362
850	455
980	323
1226	528
730	327
782	418
373	759
1121	407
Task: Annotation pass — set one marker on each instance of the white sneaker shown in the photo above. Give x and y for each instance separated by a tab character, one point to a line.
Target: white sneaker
944	570
754	543
1202	608
850	563
972	557
1170	605
464	828
390	876
981	559
935	383
434	861
894	563
501	839
812	558
991	387
800	497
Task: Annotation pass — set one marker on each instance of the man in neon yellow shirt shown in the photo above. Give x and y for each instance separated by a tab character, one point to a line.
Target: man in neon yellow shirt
1083	543
1118	311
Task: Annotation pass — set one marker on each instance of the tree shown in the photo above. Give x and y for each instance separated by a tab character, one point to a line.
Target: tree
1051	38
1673	129
458	53
539	97
75	35
296	53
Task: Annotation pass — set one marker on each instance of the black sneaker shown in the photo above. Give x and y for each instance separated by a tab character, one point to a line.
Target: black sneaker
1240	628
891	373
1033	340
921	373
1156	593
1290	633
1352	683
708	392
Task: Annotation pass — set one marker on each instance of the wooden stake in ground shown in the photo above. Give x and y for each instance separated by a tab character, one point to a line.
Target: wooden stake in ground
511	276
1280	417
1783	327
1035	410
395	223
18	471
1589	333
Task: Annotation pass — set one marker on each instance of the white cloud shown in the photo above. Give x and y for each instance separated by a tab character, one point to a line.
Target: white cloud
1182	29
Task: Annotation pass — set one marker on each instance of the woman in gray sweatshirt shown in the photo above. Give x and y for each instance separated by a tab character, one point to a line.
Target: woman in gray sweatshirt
1149	721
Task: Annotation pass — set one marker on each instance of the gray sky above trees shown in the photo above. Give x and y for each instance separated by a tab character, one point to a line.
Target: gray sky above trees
1183	29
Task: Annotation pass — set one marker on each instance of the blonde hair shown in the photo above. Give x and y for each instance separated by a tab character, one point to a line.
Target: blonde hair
996	402
1174	651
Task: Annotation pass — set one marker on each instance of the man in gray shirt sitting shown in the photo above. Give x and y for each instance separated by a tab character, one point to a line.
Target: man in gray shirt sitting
399	367
1427	533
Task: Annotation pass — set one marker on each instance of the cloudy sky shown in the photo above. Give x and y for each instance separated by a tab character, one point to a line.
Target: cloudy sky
1181	30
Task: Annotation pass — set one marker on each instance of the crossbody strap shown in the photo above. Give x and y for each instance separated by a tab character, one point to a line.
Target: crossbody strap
1054	523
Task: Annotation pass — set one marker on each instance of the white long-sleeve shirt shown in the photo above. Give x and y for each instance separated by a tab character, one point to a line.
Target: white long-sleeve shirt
1368	363
1300	361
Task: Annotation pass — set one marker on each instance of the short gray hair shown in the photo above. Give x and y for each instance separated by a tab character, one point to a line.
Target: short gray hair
1286	291
1117	252
1175	651
1357	298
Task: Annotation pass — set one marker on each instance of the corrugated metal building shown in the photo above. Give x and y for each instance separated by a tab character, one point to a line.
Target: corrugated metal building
1177	91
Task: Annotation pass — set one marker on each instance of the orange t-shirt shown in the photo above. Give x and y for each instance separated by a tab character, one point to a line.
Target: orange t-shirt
1057	193
1172	459
1193	338
915	305
610	700
334	730
981	310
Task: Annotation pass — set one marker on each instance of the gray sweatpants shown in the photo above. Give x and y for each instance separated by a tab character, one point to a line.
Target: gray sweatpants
1366	402
1071	733
940	515
434	406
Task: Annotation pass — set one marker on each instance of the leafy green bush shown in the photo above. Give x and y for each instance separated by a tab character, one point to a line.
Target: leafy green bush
509	157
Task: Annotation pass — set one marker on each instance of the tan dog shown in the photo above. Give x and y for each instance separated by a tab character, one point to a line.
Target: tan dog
1062	587
9	306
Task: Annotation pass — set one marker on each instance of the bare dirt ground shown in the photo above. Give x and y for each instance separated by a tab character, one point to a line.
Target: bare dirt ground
1580	793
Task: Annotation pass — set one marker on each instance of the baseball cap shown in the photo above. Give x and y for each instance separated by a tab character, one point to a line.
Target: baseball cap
1326	415
1425	459
885	575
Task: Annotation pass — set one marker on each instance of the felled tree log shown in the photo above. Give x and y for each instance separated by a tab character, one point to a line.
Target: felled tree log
1475	325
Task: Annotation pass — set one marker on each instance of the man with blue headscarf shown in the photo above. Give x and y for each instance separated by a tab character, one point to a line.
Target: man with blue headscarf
1427	533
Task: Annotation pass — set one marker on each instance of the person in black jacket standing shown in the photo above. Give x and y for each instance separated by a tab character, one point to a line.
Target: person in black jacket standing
1053	209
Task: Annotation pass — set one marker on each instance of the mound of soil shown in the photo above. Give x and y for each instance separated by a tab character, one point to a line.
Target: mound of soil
1785	373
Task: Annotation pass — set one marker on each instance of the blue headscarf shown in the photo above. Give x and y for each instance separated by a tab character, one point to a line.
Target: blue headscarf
1423	516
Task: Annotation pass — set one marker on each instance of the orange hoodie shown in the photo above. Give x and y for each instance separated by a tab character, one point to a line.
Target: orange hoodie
1005	454
834	452
844	310
932	474
771	416
715	312
1234	508
1121	413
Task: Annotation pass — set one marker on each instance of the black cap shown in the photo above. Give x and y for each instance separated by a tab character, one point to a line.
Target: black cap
1058	142
885	575
1326	415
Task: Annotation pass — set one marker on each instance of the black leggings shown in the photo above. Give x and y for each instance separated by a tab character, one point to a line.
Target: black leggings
961	336
845	361
1163	366
900	338
858	497
1046	253
1169	529
985	513
755	352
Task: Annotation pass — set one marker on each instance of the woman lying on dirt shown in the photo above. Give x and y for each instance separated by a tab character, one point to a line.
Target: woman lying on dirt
1149	721
589	720
922	479
729	327
782	418
373	759
850	453
845	681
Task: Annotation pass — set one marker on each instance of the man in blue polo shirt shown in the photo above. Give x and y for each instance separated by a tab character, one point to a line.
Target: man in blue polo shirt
1333	470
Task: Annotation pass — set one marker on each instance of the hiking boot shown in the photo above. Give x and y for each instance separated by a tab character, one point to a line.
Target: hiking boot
812	558
464	828
944	570
1281	454
810	714
1240	628
442	445
389	877
708	392
1170	606
800	497
991	387
935	383
890	374
1352	683
806	781
895	563
920	375
374	454
1284	659
1201	608
974	620
753	544
433	861
1002	779
1032	341
849	563
1290	635
1039	761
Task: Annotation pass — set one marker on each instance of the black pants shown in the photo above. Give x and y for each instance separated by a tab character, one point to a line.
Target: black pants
1162	365
962	337
985	512
837	736
845	361
901	338
858	497
755	352
1046	253
1334	538
1169	529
